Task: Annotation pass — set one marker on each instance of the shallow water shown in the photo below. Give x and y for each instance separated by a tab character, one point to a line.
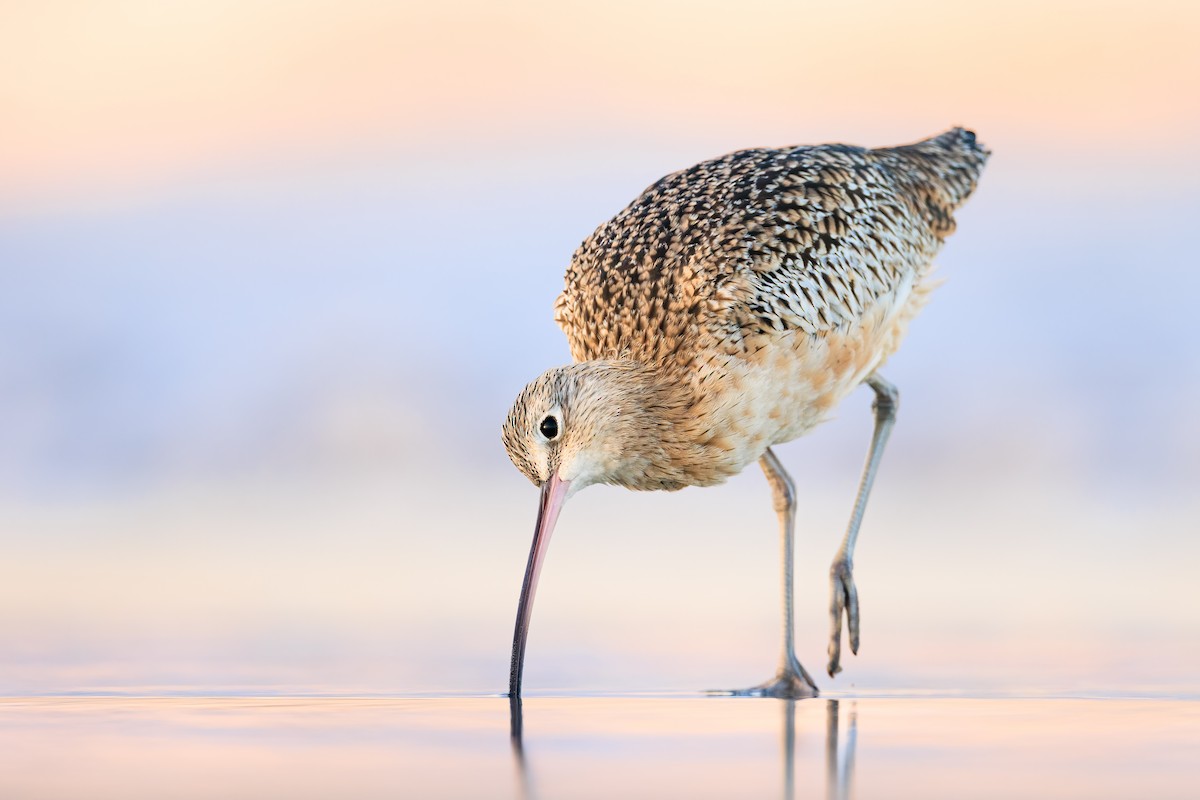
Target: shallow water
598	747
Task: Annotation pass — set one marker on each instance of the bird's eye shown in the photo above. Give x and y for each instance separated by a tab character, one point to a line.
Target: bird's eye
549	427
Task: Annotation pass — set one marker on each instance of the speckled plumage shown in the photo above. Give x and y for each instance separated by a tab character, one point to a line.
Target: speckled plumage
716	256
727	309
753	291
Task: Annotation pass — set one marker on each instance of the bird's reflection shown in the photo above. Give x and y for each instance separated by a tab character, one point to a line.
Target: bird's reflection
839	778
789	749
839	772
516	727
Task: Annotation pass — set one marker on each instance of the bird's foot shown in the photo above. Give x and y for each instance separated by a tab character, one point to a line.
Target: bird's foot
792	682
844	597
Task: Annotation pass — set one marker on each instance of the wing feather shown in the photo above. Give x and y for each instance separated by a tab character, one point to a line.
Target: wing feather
763	241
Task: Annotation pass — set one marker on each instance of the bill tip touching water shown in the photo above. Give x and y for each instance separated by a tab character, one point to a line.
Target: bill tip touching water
730	308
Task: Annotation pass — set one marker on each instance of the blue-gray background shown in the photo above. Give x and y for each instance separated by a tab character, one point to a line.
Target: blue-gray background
271	280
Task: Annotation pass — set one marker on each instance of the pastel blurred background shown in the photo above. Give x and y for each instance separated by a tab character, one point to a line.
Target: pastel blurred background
272	273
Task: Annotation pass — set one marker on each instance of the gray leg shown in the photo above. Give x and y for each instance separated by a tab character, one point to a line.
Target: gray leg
841	575
792	680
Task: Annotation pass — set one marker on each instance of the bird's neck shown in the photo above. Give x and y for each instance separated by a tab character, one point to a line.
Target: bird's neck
652	420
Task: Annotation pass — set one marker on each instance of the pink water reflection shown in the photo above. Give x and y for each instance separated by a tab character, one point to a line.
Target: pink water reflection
598	747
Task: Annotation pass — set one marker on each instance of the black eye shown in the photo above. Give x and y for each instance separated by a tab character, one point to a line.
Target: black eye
549	427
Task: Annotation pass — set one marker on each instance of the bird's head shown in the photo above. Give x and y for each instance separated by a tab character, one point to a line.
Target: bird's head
578	425
593	422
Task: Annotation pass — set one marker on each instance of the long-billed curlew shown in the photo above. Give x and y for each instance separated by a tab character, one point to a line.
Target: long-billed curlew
729	308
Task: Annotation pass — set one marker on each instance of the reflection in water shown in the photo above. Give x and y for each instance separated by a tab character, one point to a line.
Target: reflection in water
921	748
789	749
839	777
516	727
839	782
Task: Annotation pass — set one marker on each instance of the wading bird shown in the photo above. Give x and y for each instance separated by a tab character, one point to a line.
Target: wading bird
727	309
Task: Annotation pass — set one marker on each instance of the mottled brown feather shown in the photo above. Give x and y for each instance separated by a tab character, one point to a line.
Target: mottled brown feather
733	304
720	256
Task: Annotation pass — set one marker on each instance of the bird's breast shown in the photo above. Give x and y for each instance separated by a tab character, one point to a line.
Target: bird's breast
789	382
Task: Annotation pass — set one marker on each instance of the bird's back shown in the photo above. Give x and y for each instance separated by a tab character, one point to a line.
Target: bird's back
723	255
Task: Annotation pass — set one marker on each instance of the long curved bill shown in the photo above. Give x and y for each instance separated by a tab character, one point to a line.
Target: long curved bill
554	492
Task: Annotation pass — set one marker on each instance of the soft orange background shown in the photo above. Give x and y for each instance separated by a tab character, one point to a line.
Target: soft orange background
272	274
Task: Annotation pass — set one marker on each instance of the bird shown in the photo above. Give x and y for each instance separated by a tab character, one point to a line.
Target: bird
728	309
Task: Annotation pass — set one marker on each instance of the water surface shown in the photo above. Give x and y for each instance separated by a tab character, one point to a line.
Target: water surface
598	747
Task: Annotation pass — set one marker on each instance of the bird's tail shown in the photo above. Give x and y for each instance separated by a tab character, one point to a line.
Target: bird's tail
946	167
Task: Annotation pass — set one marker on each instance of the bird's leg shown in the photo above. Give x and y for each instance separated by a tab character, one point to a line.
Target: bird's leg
844	595
792	679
